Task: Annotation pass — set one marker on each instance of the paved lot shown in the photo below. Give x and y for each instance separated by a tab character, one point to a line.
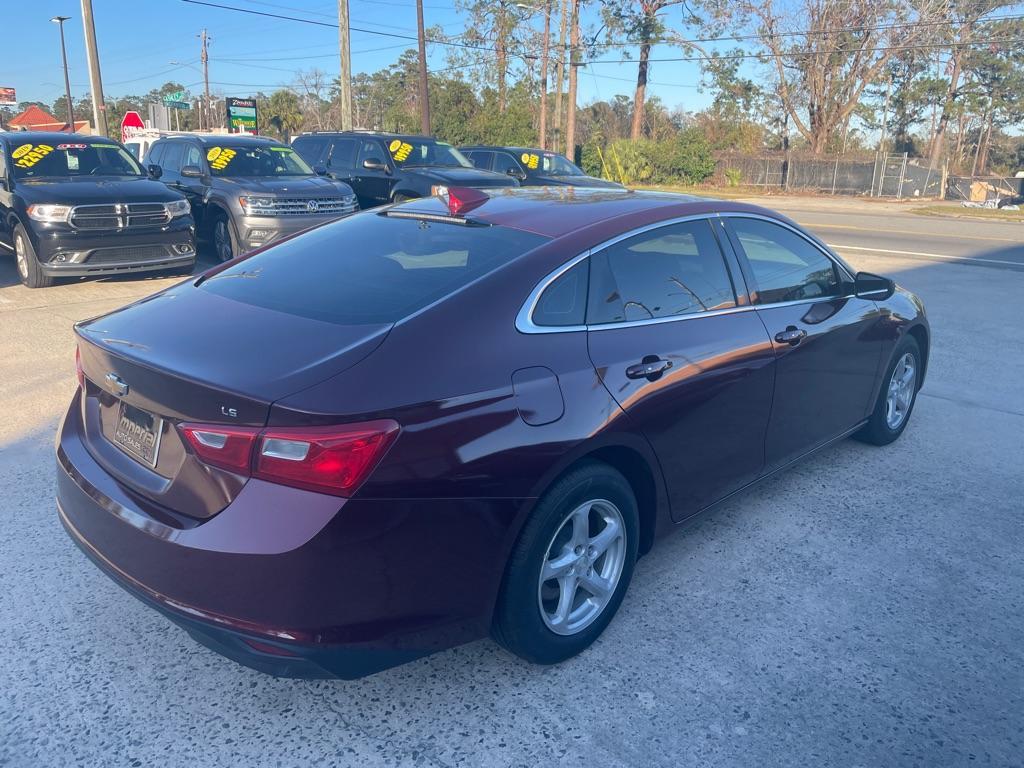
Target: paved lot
864	609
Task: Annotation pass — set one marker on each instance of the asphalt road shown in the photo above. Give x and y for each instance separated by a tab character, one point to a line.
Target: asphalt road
866	608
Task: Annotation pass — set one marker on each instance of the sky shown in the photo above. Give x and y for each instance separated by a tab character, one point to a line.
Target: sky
139	39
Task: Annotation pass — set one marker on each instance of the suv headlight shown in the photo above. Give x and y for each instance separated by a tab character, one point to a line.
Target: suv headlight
49	212
257	206
177	208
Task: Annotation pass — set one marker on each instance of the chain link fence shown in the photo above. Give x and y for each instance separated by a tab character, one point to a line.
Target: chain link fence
894	175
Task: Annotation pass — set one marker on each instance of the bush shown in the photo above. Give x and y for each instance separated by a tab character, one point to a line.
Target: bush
733	176
630	162
687	158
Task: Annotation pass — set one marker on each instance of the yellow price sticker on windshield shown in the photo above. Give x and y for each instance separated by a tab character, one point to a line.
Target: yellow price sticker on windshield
219	157
530	161
400	150
28	155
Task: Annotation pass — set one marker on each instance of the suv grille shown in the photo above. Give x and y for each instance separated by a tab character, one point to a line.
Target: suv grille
304	206
119	216
134	254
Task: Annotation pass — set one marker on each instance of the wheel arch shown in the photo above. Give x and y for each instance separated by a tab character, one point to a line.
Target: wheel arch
920	334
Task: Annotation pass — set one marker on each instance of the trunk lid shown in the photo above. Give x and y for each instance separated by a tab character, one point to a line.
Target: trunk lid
189	355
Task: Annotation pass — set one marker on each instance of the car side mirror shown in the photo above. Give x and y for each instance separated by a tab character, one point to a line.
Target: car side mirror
374	164
155	171
320	170
192	172
869	286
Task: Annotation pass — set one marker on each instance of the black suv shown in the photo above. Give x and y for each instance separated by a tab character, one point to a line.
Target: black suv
391	167
534	167
246	191
75	205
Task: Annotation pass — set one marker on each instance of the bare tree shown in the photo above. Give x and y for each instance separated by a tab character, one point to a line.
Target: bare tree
312	86
825	53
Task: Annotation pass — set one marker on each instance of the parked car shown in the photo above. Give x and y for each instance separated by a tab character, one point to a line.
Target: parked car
463	415
534	167
247	191
391	167
75	205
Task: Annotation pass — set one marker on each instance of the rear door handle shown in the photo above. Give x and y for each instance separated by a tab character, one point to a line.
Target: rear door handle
792	336
650	368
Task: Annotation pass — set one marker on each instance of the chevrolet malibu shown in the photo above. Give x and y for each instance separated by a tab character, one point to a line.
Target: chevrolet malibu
463	415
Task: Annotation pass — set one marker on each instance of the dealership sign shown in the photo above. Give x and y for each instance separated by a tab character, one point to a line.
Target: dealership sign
7	97
241	115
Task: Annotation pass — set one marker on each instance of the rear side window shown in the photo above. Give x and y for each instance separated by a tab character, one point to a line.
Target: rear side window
172	156
369	268
480	160
504	162
786	267
343	154
670	271
564	302
310	148
155	153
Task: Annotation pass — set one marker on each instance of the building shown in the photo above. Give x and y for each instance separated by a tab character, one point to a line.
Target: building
37	119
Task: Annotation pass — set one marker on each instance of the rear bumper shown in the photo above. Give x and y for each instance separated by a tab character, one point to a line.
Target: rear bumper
294	583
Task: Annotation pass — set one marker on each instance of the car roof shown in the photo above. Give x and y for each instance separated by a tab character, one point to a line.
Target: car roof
536	150
557	211
55	137
370	135
242	139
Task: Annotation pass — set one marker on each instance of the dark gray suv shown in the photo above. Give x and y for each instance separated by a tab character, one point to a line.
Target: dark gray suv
246	191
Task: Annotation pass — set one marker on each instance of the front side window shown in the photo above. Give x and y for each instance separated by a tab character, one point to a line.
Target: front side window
670	271
410	152
34	160
193	157
369	150
172	156
481	160
235	160
504	163
785	266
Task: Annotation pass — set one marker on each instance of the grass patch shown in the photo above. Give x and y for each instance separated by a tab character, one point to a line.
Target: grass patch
957	212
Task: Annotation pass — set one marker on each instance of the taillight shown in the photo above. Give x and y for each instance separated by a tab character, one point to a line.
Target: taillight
79	372
229	448
334	460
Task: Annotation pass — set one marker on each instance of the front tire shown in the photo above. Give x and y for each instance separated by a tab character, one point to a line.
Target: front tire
225	245
30	271
571	566
897	395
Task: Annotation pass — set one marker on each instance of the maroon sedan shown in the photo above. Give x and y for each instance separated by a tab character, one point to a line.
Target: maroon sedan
463	415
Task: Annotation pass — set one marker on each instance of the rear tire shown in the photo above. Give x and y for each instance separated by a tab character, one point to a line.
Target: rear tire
897	395
30	272
582	536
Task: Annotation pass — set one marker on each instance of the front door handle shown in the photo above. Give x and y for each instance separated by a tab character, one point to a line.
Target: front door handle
650	368
792	336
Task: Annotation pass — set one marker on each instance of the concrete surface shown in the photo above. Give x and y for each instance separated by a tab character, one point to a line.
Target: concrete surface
866	608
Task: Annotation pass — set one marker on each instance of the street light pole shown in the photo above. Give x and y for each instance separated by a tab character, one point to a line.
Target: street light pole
345	77
59	21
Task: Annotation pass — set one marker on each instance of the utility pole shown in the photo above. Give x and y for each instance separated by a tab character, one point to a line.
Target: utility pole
99	107
574	46
424	91
59	20
560	76
544	76
204	57
345	80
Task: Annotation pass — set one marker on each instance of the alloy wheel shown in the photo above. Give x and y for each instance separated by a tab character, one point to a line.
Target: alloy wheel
582	567
222	241
900	395
22	256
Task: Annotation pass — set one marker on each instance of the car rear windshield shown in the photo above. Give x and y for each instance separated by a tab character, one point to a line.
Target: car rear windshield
238	160
369	268
52	159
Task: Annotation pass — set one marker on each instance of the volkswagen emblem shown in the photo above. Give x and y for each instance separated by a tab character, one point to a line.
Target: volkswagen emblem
116	384
312	206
